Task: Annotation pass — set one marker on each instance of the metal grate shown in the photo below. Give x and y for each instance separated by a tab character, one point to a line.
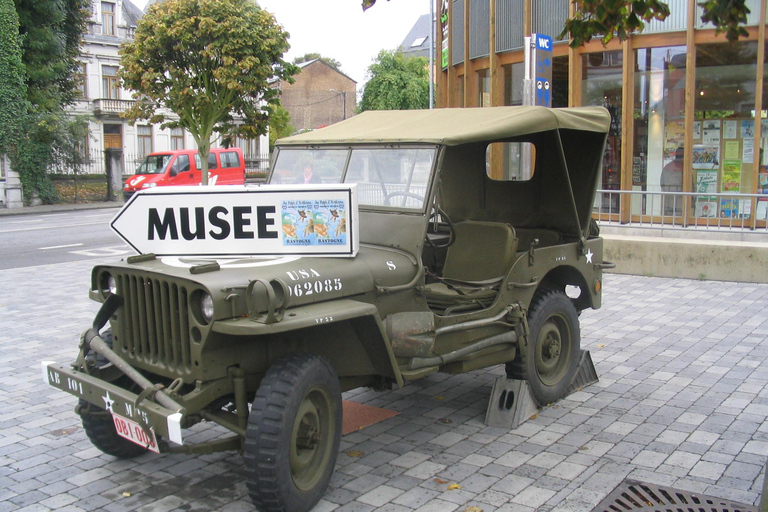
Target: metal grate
155	322
632	495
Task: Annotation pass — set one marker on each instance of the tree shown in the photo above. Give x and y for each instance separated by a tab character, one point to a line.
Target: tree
13	105
279	125
396	83
312	56
51	31
619	18
209	62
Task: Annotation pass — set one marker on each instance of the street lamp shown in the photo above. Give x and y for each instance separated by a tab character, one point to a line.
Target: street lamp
343	99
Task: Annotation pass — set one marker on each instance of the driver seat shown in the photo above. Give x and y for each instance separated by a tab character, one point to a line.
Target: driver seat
475	265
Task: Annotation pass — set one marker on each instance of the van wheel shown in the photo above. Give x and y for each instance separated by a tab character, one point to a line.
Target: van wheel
551	361
293	434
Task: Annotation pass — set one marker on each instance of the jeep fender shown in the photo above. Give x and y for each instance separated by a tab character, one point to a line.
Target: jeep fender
343	331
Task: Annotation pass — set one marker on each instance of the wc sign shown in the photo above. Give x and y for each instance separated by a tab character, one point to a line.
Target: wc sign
542	72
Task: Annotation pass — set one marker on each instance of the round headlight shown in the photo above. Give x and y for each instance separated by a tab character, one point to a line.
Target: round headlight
108	284
206	307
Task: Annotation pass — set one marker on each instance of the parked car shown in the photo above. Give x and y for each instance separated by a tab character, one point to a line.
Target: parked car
183	167
476	248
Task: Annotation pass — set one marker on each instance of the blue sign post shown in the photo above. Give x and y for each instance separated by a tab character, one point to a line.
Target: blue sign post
542	61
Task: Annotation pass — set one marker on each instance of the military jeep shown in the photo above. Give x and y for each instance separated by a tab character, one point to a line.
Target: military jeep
476	248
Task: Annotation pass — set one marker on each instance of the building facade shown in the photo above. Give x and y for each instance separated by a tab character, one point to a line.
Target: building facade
689	109
321	95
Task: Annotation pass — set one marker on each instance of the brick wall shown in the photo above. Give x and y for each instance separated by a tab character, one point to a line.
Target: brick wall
319	97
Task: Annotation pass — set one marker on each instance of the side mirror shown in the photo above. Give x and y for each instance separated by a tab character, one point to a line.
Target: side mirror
174	171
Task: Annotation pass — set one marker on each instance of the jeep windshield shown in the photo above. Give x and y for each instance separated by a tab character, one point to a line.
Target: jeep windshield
154	164
386	177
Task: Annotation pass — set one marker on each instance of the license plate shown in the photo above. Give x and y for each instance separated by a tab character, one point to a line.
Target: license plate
132	431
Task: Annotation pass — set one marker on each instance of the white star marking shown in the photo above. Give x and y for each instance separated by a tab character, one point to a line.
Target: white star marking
108	402
589	255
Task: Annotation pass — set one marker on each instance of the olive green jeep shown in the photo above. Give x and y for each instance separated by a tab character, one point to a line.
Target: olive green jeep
476	248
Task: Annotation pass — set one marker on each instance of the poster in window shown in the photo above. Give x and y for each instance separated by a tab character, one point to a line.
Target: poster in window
729	208
731	175
697	129
762	181
747	128
748	152
706	182
762	209
711	133
730	129
706	157
706	206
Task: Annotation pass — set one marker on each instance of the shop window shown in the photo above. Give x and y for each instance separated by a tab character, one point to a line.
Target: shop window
513	75
461	90
723	152
659	134
510	161
601	85
560	71
484	88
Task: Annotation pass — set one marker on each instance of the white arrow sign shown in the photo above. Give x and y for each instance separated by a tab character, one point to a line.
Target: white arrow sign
269	220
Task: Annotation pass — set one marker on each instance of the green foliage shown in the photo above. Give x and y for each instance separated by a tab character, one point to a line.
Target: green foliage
13	91
726	16
52	30
396	83
619	18
279	125
208	62
312	56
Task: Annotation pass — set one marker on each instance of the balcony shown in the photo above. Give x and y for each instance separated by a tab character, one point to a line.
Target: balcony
110	107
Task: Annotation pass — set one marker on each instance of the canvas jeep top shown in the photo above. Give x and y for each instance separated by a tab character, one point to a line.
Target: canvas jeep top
476	248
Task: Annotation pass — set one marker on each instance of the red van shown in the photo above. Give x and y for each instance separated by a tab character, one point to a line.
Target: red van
182	167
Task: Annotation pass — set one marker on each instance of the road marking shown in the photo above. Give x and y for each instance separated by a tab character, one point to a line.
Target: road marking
59	246
38	228
115	250
25	221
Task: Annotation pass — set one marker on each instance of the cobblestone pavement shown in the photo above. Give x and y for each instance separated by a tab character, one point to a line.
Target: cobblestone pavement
681	402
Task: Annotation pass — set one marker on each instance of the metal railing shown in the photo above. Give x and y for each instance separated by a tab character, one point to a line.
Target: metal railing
686	210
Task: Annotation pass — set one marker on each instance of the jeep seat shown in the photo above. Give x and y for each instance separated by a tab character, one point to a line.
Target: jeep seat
475	265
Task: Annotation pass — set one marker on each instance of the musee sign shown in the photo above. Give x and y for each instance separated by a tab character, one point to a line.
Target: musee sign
236	221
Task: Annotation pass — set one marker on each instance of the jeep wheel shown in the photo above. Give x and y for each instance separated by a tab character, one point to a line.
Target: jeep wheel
293	434
100	429
551	361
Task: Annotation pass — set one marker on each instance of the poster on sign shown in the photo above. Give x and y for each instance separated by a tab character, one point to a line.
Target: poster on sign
269	220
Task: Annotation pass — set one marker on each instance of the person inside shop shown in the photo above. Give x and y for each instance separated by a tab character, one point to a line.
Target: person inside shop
672	181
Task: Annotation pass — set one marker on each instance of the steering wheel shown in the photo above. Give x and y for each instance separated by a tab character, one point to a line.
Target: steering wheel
446	222
390	195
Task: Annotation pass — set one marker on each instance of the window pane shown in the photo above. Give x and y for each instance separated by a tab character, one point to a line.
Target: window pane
659	115
601	85
723	152
391	177
309	166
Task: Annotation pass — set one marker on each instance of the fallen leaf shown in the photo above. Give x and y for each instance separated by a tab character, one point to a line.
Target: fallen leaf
600	345
473	509
355	453
126	494
439	481
440	397
445	420
453	487
583	448
533	417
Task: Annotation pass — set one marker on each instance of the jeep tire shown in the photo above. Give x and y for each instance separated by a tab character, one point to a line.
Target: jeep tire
100	429
293	434
551	360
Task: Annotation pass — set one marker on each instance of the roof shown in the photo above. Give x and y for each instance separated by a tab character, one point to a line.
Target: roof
420	33
454	126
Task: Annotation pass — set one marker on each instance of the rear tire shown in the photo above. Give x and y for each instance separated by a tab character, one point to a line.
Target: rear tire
293	434
551	361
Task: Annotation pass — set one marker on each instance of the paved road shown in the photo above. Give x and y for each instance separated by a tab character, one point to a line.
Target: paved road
43	238
682	401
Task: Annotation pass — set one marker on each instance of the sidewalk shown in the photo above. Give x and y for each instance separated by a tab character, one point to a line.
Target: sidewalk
51	208
682	402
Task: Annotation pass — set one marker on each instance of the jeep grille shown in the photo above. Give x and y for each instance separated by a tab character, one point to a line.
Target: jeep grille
154	326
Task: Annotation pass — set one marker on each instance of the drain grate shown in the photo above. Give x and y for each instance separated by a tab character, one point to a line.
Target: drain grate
635	496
